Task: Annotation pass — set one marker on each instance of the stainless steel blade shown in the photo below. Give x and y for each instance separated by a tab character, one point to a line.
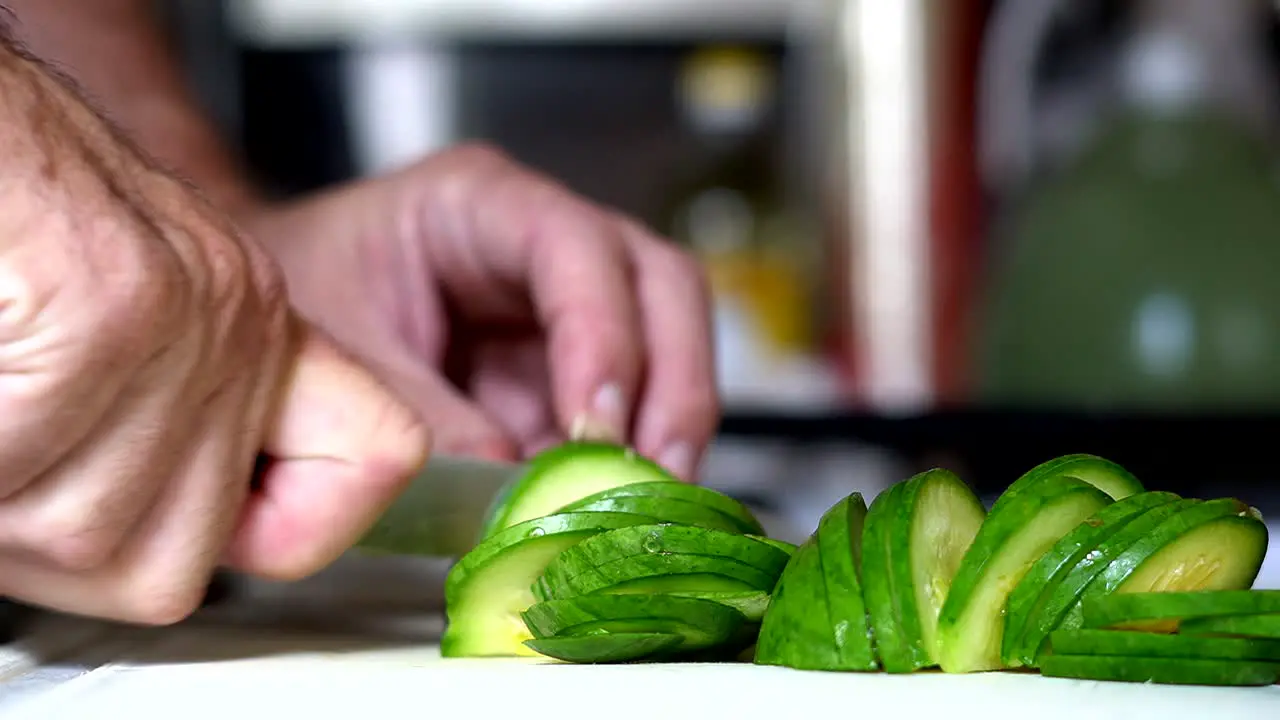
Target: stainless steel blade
442	510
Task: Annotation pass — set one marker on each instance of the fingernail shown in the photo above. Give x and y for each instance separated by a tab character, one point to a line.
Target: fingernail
607	419
678	459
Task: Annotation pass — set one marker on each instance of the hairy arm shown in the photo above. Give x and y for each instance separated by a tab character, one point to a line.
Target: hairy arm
117	51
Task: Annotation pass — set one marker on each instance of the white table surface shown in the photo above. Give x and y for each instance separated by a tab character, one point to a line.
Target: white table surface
214	672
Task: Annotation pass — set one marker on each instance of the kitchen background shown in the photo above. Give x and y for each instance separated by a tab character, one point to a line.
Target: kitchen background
969	233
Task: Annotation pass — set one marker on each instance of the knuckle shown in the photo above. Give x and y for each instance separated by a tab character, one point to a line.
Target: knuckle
270	298
160	604
702	414
227	274
143	304
22	295
140	302
683	265
406	443
479	153
273	291
74	544
599	345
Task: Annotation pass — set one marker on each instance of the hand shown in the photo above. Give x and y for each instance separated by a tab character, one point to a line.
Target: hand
510	312
147	356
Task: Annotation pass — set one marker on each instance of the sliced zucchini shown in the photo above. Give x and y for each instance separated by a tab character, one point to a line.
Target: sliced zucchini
488	588
656	574
738	514
797	631
880	587
943	517
782	545
664	510
702	624
840	549
1028	597
1145	644
1166	671
1054	611
669	540
1009	542
640	556
1245	626
564	474
1107	476
607	648
1121	609
751	604
1217	545
926	526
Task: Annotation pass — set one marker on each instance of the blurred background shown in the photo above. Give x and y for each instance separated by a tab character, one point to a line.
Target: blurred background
971	233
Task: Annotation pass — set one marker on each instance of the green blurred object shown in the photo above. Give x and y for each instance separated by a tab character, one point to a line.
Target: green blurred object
1144	276
441	512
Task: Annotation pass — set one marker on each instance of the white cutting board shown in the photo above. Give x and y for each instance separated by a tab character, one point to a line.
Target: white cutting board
359	641
214	673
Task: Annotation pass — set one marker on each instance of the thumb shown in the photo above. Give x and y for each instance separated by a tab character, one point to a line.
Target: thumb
341	448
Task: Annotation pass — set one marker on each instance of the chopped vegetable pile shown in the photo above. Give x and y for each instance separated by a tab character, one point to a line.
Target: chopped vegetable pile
597	555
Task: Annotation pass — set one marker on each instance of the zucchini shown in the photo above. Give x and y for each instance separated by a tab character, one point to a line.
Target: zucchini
752	605
1009	542
661	558
656	574
880	587
1145	644
1121	609
797	631
1107	476
1217	545
840	550
736	514
487	589
610	648
664	510
702	624
817	618
565	474
1167	671
1249	626
922	532
1030	594
783	545
1056	608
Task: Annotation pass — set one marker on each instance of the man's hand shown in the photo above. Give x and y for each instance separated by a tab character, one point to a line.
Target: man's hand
510	312
147	357
547	314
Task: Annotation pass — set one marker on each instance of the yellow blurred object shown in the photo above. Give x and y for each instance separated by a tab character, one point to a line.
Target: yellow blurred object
727	79
733	212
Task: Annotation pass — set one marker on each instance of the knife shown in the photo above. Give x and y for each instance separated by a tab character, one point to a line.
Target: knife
443	509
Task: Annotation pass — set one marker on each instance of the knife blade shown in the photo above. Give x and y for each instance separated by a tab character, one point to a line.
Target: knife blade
442	510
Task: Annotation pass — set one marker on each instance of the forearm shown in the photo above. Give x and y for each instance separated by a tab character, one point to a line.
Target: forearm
118	52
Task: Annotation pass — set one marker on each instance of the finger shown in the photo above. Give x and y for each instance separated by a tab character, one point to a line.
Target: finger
537	239
680	409
160	574
342	449
68	345
180	543
77	514
458	425
510	381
